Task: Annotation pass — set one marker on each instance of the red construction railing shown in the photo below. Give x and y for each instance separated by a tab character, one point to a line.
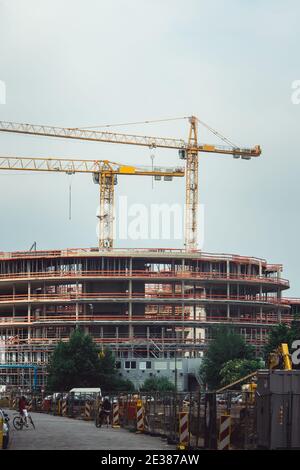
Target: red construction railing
128	339
79	252
271	318
142	296
141	274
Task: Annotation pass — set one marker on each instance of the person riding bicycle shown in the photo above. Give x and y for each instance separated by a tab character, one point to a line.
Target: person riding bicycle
23	410
105	409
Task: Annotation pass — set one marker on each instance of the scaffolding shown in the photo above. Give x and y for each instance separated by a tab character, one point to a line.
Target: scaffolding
139	303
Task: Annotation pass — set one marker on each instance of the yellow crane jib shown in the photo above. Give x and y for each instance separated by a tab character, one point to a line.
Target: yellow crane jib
104	174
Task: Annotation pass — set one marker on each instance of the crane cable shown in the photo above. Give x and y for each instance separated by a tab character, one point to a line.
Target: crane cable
150	121
217	134
131	123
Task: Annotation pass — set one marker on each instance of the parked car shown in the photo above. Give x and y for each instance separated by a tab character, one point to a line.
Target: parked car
147	398
5	419
237	399
221	399
80	395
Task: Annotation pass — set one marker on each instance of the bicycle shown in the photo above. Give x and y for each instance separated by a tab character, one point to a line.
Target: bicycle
19	421
101	417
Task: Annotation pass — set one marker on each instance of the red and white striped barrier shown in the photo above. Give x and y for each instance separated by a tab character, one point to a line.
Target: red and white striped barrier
116	416
225	431
64	408
183	430
140	426
87	410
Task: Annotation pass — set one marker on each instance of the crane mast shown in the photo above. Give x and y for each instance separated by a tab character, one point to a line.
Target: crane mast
188	150
191	192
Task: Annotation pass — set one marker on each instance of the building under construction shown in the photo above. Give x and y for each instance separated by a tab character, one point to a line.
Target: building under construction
154	308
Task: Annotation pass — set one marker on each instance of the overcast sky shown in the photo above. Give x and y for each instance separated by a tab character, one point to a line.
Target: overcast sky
92	62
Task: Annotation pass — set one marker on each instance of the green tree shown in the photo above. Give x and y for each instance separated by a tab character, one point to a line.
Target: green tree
281	333
226	346
157	384
235	369
77	363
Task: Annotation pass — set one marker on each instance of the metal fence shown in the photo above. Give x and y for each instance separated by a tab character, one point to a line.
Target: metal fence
160	414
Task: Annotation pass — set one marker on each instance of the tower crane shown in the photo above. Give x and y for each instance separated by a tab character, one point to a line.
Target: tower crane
104	174
187	150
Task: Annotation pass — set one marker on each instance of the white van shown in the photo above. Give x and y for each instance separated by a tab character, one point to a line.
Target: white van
88	392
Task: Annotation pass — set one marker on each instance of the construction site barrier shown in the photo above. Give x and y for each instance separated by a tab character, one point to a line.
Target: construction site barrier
87	411
225	432
116	416
64	408
140	427
183	430
191	419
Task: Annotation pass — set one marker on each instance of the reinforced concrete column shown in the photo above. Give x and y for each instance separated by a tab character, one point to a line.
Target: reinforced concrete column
117	341
130	329
228	286
182	286
279	300
173	289
14	295
148	341
194	306
29	304
278	274
173	266
279	315
228	295
163	338
86	307
130	267
183	308
260	296
260	269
